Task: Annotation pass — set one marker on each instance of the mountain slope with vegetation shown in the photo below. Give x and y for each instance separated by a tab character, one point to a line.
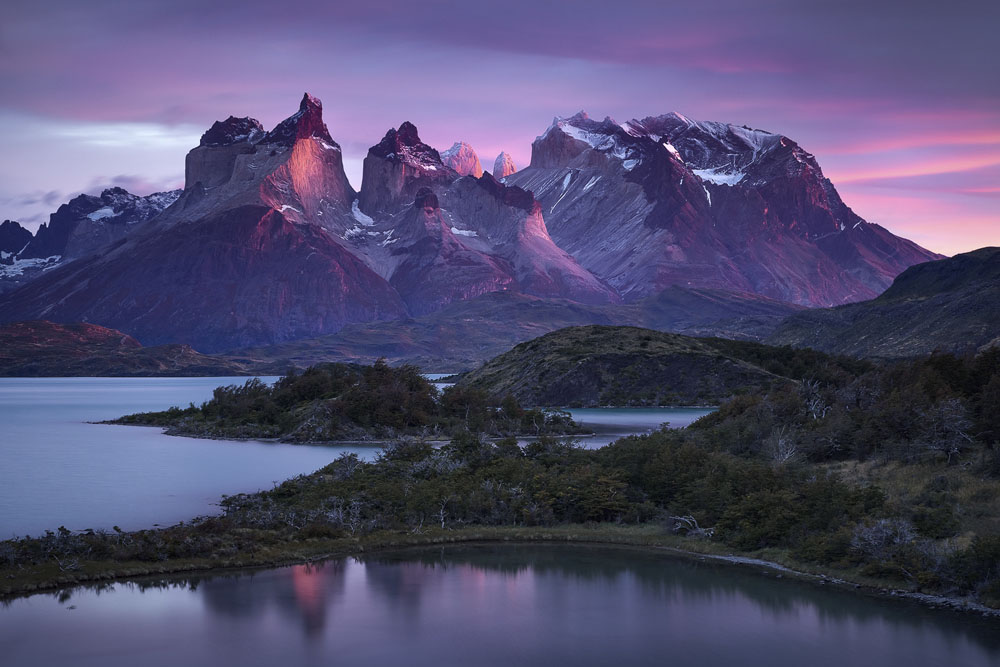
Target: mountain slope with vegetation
950	305
599	365
467	333
46	349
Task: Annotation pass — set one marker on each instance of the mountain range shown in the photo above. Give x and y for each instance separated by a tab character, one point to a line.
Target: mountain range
268	242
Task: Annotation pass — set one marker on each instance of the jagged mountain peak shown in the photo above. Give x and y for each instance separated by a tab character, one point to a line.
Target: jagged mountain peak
397	167
463	159
503	166
305	123
403	144
233	130
718	205
13	238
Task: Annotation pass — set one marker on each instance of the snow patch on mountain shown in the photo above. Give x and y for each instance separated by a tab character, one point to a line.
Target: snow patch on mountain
463	232
365	220
21	265
101	213
719	176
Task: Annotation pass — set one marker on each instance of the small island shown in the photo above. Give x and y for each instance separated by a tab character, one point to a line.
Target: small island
349	403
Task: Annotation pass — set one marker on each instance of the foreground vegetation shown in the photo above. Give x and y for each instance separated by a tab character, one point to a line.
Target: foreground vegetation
883	474
348	402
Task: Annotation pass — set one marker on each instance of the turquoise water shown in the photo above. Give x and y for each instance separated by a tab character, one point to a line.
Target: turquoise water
486	606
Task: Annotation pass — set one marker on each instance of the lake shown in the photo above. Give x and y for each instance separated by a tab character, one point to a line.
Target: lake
56	469
490	605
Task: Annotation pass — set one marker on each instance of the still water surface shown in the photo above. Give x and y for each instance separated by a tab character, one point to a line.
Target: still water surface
494	605
56	469
609	424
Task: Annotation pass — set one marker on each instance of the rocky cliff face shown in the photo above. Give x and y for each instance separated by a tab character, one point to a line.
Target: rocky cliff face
459	237
668	201
396	168
88	223
296	168
254	257
503	166
463	159
13	238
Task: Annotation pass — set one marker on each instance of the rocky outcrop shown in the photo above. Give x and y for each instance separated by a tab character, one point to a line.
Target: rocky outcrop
503	166
13	238
396	168
463	159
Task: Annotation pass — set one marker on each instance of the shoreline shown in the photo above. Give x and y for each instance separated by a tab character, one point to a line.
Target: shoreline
381	442
638	537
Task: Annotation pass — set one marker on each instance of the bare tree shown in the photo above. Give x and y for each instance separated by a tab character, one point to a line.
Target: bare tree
946	427
812	394
881	539
689	526
781	446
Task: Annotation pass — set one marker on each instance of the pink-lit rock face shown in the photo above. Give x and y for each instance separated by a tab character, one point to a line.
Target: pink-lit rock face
669	201
463	159
510	221
503	166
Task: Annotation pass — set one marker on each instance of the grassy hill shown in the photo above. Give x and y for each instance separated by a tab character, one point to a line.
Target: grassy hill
950	305
46	349
601	365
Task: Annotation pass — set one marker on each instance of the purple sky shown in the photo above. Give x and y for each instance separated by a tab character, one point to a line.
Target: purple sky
899	100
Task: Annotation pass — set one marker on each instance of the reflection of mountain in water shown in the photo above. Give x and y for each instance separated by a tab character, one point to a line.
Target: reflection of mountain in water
575	604
298	591
674	580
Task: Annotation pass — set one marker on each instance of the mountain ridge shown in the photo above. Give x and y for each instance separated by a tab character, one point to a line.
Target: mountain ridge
617	215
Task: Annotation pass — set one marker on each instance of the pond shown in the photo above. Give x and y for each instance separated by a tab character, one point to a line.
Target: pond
490	605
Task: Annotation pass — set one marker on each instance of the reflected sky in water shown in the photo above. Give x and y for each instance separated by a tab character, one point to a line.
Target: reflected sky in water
492	605
609	424
56	469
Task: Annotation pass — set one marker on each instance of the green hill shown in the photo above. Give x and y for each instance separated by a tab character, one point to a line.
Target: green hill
950	305
601	365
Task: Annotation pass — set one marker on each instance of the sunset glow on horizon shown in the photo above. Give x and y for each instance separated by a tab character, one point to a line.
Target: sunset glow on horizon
899	102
